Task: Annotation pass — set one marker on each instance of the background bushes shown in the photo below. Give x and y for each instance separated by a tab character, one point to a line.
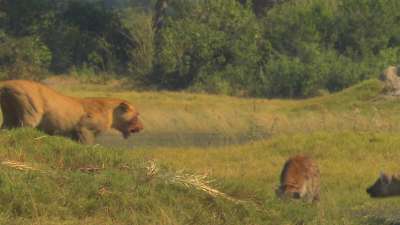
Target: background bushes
287	48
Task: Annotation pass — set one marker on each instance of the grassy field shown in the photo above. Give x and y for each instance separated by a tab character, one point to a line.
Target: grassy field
206	159
188	120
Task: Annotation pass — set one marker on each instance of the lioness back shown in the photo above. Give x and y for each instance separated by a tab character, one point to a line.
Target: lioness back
300	178
38	106
31	104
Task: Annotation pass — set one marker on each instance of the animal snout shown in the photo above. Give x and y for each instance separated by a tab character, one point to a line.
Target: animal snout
138	127
135	130
371	192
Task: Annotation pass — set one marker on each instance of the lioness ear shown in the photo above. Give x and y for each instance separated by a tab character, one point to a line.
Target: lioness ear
123	106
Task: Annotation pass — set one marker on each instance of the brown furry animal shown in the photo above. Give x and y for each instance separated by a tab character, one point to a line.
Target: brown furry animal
391	79
386	185
31	104
300	178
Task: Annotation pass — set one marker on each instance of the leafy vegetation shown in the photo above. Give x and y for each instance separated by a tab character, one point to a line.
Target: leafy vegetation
287	48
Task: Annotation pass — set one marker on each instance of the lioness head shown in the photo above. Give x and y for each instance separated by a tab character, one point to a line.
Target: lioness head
126	119
386	185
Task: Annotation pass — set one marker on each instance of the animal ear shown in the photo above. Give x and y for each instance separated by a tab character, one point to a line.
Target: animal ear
384	178
123	106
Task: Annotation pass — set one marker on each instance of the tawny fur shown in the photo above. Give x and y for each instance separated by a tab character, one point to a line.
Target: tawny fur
300	178
30	104
386	185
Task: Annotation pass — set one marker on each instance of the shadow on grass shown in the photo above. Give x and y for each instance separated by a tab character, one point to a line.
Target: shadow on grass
382	216
195	139
381	220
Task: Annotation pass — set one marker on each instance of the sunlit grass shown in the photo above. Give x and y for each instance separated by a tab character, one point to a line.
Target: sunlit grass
59	190
188	120
240	144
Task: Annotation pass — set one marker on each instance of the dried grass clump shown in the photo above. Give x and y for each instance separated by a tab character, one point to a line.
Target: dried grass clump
188	180
18	165
201	183
90	169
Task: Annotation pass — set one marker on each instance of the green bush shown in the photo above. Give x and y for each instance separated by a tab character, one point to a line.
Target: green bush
210	41
139	26
291	49
365	27
25	57
331	45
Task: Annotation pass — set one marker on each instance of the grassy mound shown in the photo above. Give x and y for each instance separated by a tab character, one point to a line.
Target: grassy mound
51	180
178	172
187	120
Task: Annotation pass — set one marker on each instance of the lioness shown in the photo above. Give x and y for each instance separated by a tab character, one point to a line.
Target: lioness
300	178
386	185
30	104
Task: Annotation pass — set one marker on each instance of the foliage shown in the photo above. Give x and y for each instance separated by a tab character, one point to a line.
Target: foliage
269	48
326	44
95	35
210	45
139	26
25	57
367	27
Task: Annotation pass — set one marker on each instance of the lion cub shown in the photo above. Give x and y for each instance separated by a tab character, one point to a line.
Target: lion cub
386	185
300	178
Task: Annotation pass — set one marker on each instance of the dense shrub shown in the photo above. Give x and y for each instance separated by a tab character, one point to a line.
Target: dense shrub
139	27
277	48
212	45
318	44
365	27
25	57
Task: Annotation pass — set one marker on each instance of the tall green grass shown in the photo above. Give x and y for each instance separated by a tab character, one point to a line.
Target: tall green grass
189	120
352	135
63	191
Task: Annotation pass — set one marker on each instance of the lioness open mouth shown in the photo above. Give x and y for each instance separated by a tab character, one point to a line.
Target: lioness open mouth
131	131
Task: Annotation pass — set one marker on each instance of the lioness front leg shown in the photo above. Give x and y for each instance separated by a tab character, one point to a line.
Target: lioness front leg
85	136
86	129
